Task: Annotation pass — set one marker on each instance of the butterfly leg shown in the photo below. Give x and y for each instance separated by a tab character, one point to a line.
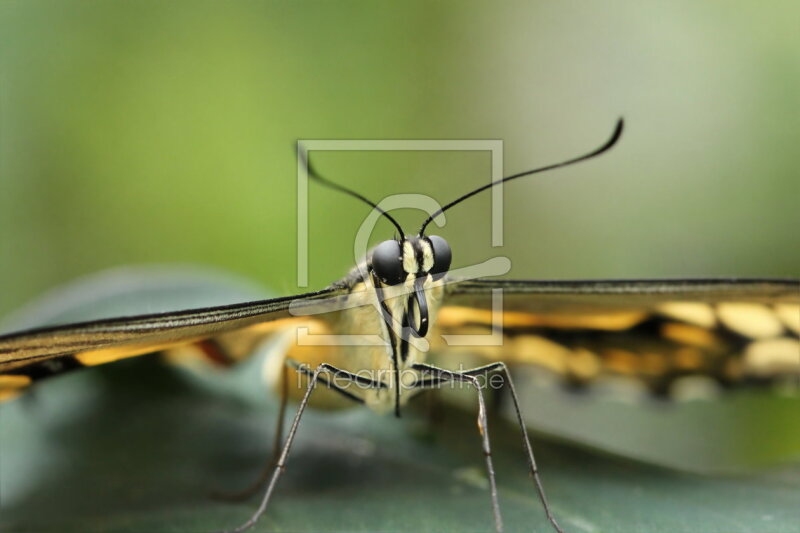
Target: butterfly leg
446	375
280	465
277	442
534	470
284	403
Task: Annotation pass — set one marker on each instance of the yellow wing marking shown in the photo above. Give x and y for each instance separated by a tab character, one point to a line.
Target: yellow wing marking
236	345
533	349
789	315
583	364
689	334
11	385
660	344
752	320
773	356
696	313
453	316
109	355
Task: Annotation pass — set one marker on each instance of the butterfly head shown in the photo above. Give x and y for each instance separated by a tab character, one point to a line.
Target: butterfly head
396	262
412	262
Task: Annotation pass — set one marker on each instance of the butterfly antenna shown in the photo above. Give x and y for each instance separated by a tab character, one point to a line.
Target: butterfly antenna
302	154
608	144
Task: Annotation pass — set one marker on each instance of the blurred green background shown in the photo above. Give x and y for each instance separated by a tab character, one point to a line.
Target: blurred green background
163	132
138	132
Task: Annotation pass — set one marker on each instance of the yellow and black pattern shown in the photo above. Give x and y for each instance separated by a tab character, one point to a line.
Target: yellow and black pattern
220	335
671	337
676	339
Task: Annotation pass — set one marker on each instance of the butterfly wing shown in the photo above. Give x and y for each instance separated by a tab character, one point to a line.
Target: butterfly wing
651	331
31	354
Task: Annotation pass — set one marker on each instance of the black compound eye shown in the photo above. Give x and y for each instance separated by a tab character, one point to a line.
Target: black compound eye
387	262
441	256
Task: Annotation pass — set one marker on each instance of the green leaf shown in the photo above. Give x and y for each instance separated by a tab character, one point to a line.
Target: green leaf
138	446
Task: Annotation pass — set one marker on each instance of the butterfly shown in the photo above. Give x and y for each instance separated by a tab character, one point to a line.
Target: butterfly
373	337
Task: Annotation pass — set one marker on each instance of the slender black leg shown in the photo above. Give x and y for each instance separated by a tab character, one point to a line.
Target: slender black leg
280	465
277	442
483	428
534	470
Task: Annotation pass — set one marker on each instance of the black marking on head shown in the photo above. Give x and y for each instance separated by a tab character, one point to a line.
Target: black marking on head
418	299
419	254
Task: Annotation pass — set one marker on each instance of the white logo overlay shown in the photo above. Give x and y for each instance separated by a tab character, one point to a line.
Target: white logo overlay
494	266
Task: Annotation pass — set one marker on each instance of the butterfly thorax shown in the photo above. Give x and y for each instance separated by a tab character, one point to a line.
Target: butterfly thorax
389	312
390	358
377	328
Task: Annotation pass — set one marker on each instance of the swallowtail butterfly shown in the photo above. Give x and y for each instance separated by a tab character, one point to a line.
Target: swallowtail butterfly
367	338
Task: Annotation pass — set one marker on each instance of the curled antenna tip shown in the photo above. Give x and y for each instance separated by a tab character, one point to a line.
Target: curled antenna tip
605	147
617	131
